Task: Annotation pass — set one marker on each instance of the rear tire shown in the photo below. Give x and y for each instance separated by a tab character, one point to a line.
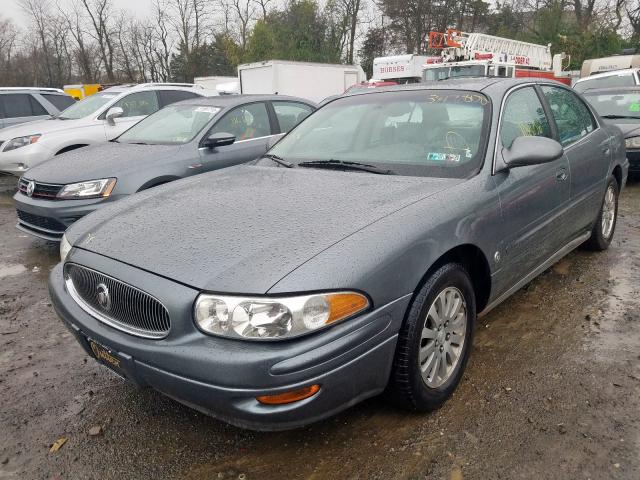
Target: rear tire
605	226
434	341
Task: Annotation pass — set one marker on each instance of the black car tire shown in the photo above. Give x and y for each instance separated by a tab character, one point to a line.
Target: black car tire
598	240
406	387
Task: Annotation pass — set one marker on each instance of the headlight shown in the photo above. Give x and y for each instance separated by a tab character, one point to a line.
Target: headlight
88	189
633	142
65	246
267	318
21	142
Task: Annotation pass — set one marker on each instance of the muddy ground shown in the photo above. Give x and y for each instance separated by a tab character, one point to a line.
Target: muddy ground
552	390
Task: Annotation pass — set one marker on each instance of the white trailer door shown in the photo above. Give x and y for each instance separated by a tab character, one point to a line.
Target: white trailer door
350	78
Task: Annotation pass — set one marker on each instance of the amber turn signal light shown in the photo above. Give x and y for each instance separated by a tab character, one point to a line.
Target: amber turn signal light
289	397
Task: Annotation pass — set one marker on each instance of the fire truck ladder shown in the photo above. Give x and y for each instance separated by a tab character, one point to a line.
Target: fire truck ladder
457	45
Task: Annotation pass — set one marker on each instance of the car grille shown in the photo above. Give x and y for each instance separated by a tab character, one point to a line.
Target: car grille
41	190
125	307
41	222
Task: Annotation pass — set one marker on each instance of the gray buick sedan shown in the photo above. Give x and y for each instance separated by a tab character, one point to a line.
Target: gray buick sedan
353	260
178	141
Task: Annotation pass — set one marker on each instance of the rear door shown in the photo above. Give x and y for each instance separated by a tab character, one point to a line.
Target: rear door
135	106
252	127
534	199
588	150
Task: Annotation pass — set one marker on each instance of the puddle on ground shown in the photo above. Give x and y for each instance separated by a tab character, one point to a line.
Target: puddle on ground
11	270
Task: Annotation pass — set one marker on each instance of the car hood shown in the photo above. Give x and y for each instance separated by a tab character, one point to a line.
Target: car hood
100	161
628	129
42	127
244	228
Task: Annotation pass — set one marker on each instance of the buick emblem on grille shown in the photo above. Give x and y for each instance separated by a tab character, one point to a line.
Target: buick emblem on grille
104	298
31	186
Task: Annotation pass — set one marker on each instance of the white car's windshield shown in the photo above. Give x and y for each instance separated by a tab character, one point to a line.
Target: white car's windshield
616	104
86	106
622	80
172	125
436	133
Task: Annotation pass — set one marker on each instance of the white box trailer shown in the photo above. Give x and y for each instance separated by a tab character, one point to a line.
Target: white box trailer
313	81
399	68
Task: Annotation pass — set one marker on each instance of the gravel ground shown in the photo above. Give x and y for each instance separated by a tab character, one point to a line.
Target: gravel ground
552	390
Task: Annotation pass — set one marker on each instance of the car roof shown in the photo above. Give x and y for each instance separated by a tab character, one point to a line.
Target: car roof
133	87
32	90
478	84
629	89
611	73
225	101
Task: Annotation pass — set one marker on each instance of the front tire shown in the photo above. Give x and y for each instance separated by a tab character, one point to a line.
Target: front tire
605	225
435	341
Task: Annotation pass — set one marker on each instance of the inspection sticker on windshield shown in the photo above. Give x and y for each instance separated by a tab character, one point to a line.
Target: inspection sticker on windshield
443	157
634	107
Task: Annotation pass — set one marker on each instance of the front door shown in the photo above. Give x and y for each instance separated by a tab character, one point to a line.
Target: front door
135	107
252	129
533	198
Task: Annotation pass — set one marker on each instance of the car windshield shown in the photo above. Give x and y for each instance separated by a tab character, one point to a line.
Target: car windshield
87	106
432	133
622	80
621	104
172	125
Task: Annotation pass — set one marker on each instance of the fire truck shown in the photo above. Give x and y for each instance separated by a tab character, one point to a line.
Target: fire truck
480	55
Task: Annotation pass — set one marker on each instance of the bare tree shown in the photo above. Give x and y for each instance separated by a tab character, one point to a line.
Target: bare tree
99	12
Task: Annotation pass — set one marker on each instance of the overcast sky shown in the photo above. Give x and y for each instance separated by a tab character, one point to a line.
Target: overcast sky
11	9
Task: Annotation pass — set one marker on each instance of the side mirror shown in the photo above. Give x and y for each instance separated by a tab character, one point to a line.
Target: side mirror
112	114
526	151
219	139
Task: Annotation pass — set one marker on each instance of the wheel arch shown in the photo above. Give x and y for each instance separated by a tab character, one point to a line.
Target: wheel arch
475	262
617	173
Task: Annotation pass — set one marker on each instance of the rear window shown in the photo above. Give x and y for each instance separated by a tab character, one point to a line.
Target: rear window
16	105
59	101
622	80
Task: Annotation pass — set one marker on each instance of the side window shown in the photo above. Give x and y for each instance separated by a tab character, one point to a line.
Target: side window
523	116
573	118
168	97
290	114
245	122
138	104
36	107
16	105
59	101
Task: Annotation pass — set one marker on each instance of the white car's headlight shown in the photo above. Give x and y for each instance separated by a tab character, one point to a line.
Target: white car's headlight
269	318
19	142
88	189
633	142
65	247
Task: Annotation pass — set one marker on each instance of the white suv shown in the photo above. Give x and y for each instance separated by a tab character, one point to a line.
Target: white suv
98	118
627	77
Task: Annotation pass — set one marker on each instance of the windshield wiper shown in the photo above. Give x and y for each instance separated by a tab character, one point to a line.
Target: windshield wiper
613	116
339	164
138	143
278	160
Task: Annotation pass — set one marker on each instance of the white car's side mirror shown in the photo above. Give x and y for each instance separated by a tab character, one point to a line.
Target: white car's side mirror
112	114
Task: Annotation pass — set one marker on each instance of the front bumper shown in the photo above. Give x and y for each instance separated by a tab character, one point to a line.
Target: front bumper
634	161
48	219
18	161
222	377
